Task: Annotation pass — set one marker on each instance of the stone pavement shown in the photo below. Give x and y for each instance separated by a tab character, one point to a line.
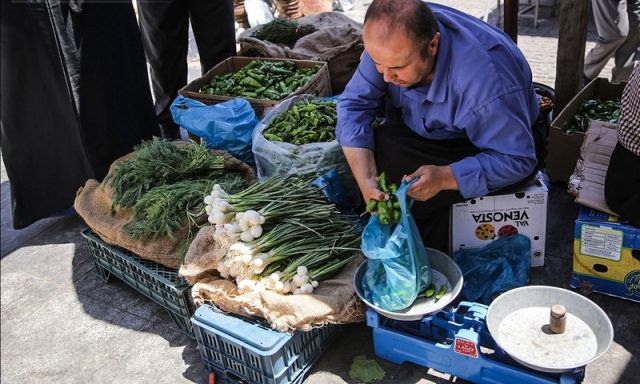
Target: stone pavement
61	324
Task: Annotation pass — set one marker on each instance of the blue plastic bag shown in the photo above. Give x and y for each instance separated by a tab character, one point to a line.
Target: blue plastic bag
397	266
331	185
228	125
497	267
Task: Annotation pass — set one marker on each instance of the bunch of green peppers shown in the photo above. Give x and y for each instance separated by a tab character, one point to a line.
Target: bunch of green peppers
261	79
307	121
593	109
389	210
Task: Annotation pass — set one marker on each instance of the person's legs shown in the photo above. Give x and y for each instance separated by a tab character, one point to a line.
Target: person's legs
164	26
622	184
214	30
399	151
610	35
629	51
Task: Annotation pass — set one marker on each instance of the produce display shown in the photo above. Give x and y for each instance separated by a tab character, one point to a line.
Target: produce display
283	31
389	210
159	162
261	79
594	109
307	121
280	235
163	184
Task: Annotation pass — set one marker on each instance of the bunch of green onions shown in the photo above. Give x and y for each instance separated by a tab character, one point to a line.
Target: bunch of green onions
280	235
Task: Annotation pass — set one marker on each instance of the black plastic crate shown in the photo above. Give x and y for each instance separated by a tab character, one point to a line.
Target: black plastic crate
240	350
157	282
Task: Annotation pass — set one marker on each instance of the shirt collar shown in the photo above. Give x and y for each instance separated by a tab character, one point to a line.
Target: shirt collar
436	92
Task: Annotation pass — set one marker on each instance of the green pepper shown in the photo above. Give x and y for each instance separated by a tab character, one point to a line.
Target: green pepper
372	205
429	292
382	182
441	292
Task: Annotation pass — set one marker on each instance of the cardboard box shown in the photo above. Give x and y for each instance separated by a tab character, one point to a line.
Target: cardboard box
318	85
606	255
587	181
564	149
476	222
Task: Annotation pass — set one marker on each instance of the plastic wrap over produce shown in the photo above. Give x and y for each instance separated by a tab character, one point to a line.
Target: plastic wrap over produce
282	158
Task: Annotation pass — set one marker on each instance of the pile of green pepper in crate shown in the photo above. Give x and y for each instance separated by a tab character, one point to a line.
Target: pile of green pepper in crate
593	109
307	121
261	79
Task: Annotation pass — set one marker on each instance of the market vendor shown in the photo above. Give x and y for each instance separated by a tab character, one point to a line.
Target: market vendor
461	111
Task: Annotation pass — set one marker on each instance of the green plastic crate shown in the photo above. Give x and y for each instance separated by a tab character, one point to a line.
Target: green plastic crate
240	350
157	282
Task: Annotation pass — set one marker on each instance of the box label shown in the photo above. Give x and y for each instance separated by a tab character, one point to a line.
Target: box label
477	222
603	242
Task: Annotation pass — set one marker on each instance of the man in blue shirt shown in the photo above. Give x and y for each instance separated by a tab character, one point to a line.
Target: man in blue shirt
459	103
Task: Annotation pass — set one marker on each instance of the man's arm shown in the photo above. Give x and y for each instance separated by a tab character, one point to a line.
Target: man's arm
363	167
357	108
501	129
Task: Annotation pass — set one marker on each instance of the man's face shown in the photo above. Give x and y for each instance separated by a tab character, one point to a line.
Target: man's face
397	56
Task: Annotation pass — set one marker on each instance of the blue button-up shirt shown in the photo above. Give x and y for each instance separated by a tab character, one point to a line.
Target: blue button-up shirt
481	90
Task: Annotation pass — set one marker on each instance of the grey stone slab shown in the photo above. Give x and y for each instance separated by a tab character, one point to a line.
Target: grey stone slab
159	355
162	355
22	294
59	257
65	340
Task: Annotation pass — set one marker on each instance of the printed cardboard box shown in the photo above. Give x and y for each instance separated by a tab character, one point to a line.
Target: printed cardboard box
606	255
563	148
476	222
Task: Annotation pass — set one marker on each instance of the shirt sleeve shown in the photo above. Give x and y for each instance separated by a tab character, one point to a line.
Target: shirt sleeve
358	104
501	129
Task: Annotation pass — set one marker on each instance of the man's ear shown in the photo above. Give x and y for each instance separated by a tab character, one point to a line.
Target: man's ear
433	44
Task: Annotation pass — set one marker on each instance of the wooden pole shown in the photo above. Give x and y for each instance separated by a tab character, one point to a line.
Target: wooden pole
574	15
511	19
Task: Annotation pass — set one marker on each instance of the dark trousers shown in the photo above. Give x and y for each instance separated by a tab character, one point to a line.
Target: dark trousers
164	25
399	151
622	184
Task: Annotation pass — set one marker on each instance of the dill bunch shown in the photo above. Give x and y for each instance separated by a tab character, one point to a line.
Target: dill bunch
160	162
165	209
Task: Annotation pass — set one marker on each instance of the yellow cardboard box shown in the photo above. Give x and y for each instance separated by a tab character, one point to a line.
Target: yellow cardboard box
606	255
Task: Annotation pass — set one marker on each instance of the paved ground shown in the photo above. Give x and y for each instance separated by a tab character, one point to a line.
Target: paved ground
61	324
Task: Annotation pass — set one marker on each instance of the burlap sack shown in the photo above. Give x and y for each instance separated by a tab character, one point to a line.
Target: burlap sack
93	204
333	302
338	41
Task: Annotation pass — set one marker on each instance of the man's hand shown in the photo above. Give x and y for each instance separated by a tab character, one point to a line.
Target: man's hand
433	179
370	190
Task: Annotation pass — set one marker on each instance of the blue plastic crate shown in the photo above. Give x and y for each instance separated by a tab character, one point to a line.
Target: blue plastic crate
161	284
239	350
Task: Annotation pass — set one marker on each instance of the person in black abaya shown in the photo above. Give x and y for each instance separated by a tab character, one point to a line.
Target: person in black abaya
75	97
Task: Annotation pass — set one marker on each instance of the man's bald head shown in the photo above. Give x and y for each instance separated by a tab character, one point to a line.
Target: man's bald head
412	16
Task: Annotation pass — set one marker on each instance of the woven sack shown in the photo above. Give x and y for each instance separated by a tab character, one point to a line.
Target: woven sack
338	41
333	302
93	204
